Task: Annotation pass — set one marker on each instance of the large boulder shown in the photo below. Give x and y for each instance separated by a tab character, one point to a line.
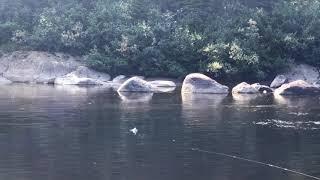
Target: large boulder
136	84
298	87
199	83
279	81
36	67
303	72
296	72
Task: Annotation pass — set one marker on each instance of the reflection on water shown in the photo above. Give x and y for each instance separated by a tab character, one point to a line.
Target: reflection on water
245	98
135	97
66	133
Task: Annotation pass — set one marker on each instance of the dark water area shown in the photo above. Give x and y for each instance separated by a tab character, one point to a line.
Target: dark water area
73	133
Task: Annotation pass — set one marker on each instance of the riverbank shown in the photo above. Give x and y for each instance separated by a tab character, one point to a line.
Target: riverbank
60	69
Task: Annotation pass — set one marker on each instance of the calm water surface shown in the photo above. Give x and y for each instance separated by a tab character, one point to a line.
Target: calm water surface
73	133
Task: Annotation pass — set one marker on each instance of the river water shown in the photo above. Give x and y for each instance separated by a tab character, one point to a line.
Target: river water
74	133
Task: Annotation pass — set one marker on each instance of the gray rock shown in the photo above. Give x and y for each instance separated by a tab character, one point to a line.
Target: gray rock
119	79
162	83
298	87
303	72
4	81
262	88
73	79
84	72
278	81
36	67
199	83
317	83
135	84
83	76
245	88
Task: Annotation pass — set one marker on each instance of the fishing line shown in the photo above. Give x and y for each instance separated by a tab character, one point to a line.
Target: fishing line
256	162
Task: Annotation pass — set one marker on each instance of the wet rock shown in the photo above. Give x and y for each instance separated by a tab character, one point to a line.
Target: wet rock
298	87
199	83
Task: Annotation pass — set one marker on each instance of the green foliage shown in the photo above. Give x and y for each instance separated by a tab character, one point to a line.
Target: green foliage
231	39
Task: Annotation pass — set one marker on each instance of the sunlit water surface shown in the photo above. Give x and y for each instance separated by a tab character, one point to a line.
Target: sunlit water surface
74	133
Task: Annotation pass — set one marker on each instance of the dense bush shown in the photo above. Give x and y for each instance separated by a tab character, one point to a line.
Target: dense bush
230	39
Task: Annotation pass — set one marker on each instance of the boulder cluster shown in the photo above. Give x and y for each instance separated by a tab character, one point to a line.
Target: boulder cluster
61	69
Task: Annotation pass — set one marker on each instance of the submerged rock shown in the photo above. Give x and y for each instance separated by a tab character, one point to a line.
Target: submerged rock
199	83
136	84
278	81
298	87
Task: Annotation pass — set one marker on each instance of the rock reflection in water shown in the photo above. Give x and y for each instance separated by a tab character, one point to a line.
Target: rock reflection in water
197	107
165	89
135	97
245	98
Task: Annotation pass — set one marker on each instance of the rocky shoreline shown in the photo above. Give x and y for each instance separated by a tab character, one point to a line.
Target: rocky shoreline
60	69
